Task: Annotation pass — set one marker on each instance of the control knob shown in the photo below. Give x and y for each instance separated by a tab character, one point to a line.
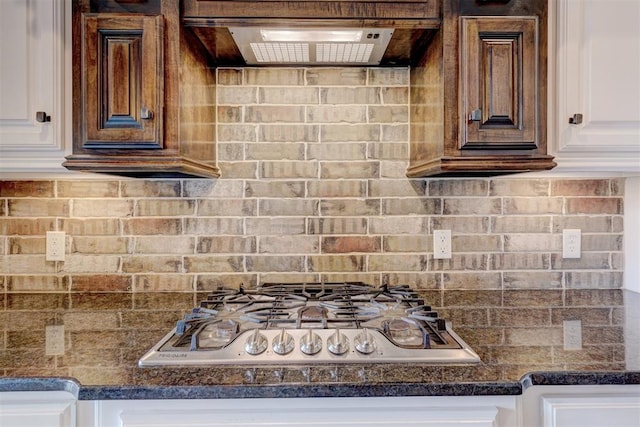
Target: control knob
256	343
338	343
364	342
283	343
310	343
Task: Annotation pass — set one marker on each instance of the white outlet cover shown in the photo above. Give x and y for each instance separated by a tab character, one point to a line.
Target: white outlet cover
55	246
441	244
571	243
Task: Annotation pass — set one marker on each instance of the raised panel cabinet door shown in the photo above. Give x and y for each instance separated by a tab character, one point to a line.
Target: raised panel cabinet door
498	75
122	72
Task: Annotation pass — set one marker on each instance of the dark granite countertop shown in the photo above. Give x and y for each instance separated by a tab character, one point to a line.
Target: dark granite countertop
291	390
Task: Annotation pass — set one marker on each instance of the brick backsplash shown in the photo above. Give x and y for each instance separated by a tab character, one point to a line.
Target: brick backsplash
313	188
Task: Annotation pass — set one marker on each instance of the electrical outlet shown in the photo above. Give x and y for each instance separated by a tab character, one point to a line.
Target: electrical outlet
572	334
441	244
571	243
55	246
54	340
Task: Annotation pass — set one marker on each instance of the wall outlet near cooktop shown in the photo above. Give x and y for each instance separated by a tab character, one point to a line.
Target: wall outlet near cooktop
441	244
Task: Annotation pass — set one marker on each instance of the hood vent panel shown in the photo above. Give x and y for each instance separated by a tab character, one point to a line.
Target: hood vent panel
363	46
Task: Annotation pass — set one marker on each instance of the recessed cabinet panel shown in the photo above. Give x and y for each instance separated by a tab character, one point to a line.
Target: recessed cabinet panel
122	82
498	83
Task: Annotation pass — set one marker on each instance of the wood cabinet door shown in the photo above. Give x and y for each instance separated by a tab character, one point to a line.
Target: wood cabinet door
498	77
122	72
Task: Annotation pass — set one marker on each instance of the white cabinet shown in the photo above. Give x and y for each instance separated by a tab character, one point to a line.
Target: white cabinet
37	408
34	69
581	406
594	63
435	411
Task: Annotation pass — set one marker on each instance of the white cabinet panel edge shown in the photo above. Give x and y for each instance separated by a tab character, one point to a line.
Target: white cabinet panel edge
37	409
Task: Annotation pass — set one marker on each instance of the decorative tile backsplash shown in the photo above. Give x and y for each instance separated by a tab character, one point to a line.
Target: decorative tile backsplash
313	188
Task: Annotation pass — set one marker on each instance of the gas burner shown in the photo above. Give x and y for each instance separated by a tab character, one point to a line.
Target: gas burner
323	322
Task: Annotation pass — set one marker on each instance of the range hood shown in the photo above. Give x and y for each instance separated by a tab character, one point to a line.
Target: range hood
313	46
313	33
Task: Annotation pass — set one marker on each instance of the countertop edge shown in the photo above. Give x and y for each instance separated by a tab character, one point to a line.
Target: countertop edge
308	390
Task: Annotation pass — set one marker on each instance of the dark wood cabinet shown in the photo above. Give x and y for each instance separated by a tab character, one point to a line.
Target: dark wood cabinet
122	82
479	95
134	75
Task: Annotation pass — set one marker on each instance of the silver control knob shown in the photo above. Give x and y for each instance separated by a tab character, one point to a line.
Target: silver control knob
364	342
310	343
256	343
283	343
338	343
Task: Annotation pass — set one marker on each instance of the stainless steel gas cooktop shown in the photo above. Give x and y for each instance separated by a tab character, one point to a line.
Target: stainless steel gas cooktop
287	323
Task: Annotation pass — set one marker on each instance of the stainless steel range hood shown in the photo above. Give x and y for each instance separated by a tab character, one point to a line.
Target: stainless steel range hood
312	46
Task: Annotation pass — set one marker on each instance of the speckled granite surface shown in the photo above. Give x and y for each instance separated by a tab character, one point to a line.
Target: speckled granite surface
363	389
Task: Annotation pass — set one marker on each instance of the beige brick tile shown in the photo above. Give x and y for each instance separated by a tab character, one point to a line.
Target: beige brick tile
394	95
170	188
580	187
588	354
337	188
101	283
37	283
594	205
229	76
288	169
519	187
91	226
521	224
163	283
372	279
286	95
474	280
594	279
349	132
336	76
288	207
389	76
230	132
233	95
338	151
542	298
275	189
91	263
460	224
150	226
347	244
602	242
592	224
337	114
274	114
532	242
588	316
407	243
520	261
218	263
471	206
472	317
227	207
275	226
388	114
29	304
405	262
587	260
275	263
291	133
288	245
336	263
102	208
413	206
398	225
274	76
395	133
350	207
513	317
598	335
532	279
460	262
226	244
164	244
533	336
213	188
239	170
160	207
388	150
332	170
594	297
37	207
272	151
477	243
532	205
23	245
459	187
209	282
91	188
213	226
99	245
26	226
393	169
27	188
420	280
397	188
155	263
471	298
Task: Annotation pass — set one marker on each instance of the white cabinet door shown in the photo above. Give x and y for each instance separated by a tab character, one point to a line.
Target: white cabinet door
484	411
597	78
37	408
33	56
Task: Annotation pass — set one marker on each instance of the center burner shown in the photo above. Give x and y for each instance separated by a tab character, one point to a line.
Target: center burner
283	323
